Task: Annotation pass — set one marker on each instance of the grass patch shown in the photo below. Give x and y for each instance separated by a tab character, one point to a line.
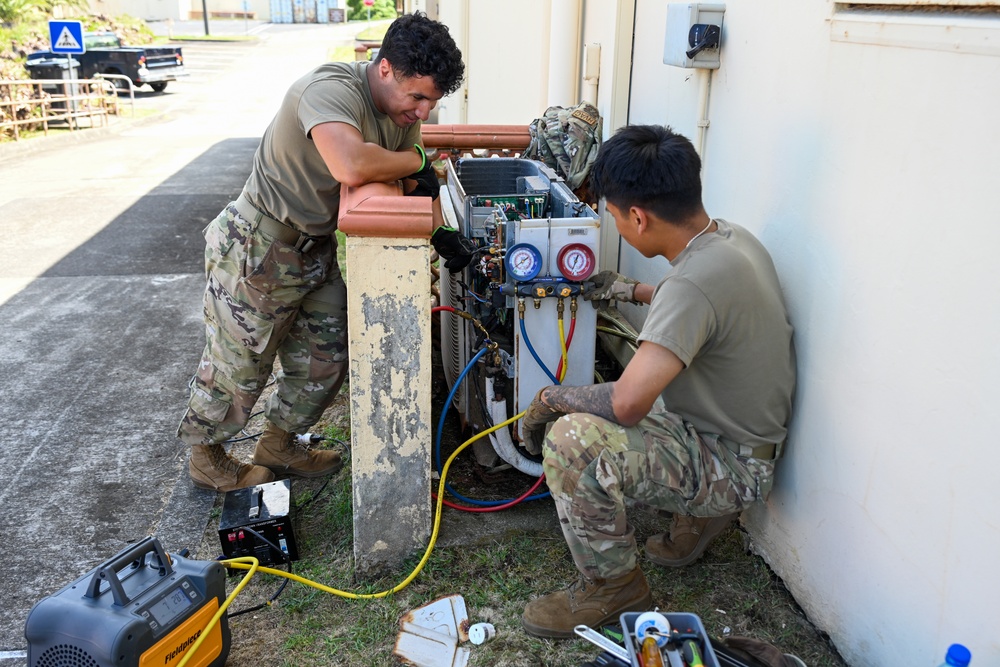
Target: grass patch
728	588
341	54
207	38
373	34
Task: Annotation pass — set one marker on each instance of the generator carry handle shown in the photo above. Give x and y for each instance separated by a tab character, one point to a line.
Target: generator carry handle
133	556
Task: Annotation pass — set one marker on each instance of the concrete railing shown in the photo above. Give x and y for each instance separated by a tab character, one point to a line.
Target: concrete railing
389	308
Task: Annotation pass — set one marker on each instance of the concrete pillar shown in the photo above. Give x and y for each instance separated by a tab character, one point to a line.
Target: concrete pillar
389	303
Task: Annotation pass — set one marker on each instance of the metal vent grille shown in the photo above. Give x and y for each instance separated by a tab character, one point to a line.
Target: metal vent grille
454	357
65	655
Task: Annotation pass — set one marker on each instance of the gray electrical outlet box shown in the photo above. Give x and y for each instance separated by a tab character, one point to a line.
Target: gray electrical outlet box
682	17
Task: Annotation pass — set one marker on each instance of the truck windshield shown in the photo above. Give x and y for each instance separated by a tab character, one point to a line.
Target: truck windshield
100	41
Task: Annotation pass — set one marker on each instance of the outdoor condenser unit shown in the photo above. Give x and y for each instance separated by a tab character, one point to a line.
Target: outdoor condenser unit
537	244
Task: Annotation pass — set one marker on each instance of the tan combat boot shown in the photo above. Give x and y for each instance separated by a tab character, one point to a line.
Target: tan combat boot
592	602
279	451
689	537
211	467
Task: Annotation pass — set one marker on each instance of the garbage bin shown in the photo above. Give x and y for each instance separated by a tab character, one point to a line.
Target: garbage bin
53	70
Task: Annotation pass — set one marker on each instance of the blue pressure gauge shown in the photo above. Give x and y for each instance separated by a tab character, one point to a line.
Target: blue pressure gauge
524	262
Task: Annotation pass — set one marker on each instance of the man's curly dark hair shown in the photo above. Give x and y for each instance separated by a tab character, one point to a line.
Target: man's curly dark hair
417	46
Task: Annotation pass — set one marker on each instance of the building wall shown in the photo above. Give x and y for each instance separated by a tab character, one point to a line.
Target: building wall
862	152
148	10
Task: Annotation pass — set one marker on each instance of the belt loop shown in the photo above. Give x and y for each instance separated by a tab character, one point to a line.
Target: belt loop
255	223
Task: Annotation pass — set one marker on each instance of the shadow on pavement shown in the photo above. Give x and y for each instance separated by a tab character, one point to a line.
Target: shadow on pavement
96	355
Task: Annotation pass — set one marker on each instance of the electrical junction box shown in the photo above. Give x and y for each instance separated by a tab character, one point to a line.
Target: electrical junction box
261	509
690	25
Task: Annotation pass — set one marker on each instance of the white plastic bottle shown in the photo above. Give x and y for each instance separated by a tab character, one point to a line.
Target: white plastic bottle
958	656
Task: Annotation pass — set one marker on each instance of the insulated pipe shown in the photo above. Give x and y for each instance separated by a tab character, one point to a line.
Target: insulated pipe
704	86
500	438
591	72
564	52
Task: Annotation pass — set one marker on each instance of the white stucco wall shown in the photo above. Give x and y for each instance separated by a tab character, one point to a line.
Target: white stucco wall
148	10
864	155
868	170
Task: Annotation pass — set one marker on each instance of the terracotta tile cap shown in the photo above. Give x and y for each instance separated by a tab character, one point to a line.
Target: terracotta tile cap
464	137
379	209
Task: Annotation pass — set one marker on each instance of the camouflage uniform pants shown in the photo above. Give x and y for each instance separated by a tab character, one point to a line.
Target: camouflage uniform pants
592	465
265	299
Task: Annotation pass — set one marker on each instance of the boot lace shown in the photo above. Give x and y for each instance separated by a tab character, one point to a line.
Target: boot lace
223	462
579	588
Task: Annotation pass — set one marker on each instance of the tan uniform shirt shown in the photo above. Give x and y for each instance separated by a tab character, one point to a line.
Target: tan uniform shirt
721	311
290	182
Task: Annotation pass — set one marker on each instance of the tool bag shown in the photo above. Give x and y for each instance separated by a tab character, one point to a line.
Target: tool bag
567	139
747	652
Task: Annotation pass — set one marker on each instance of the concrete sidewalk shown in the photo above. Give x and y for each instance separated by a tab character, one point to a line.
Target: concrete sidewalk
100	298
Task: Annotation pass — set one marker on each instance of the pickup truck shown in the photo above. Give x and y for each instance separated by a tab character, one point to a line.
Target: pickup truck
104	54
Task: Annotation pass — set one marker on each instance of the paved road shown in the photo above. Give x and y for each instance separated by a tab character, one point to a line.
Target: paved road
100	286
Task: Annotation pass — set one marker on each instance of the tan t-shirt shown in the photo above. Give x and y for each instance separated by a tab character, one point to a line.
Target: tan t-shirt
290	182
721	311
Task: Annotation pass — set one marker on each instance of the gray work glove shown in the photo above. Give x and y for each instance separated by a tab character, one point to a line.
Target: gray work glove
609	286
536	417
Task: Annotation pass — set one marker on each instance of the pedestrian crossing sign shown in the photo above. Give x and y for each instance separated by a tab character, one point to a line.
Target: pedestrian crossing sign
66	36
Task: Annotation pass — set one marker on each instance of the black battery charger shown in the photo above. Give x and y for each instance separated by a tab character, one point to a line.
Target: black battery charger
256	521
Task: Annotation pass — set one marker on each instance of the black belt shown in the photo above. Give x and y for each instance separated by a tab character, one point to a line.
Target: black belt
765	452
273	228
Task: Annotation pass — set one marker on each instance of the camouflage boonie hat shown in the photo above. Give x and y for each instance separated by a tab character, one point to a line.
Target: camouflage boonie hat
567	139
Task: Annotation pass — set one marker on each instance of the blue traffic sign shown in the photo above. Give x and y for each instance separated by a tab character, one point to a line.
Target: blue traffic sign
66	36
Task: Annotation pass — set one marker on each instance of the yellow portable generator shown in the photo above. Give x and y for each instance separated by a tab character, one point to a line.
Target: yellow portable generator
138	609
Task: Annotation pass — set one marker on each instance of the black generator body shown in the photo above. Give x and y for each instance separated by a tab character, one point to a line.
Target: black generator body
138	609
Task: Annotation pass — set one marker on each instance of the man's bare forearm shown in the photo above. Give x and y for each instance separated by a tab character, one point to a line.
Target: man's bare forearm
593	399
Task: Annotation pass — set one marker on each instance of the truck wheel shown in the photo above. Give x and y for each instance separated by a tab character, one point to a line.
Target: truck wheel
120	84
159	86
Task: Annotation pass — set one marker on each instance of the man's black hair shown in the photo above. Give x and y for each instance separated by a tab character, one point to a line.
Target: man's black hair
652	167
417	46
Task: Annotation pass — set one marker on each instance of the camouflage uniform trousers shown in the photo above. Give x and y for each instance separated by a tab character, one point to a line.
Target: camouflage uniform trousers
593	465
265	299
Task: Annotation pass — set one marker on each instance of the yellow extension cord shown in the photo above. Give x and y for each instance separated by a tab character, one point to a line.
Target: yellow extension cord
253	565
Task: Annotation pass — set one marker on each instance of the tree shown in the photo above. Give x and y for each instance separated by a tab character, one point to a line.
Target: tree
357	11
15	11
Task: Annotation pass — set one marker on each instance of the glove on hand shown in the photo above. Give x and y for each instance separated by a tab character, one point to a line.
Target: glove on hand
609	285
533	423
455	249
427	183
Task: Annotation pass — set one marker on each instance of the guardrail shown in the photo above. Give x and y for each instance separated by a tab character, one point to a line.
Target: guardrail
125	82
28	104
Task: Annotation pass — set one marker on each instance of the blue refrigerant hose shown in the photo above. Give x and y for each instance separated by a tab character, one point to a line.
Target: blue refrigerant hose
440	430
531	349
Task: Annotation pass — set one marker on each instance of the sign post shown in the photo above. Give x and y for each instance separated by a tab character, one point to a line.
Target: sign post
67	37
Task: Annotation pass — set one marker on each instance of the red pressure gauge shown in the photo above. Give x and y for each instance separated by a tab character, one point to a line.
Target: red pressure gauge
576	261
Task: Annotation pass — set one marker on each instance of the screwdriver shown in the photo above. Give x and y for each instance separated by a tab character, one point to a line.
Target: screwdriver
692	656
651	656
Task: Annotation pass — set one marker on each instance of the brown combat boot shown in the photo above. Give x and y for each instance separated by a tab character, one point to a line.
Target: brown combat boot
211	467
281	453
689	537
592	602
